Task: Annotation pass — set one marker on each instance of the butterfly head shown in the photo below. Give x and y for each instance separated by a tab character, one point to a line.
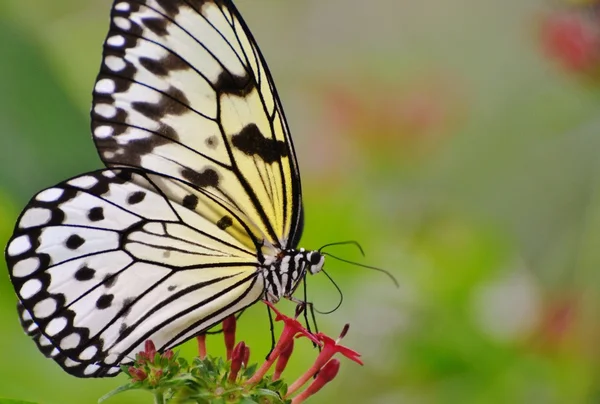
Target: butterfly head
284	272
315	261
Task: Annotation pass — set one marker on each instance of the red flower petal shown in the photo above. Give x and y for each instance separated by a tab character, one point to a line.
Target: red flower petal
331	345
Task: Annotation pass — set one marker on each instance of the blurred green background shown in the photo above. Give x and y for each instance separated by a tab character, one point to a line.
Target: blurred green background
439	134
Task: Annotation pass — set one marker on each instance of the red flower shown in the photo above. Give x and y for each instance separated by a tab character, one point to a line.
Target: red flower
573	40
291	329
152	369
330	347
282	361
327	374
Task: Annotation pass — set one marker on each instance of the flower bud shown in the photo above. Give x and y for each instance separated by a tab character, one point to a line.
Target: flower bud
237	358
137	374
229	334
168	354
149	350
246	356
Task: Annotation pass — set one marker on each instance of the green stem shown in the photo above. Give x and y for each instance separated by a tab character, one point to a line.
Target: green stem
159	397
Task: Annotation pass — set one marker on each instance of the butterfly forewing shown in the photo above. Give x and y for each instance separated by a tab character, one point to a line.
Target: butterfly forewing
183	91
100	264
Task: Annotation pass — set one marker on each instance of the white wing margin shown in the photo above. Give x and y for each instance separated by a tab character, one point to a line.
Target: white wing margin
184	91
103	262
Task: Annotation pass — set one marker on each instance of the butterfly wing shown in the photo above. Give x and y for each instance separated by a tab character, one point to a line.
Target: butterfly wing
104	261
184	91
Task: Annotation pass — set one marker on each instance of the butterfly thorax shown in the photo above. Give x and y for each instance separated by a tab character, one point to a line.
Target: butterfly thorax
283	272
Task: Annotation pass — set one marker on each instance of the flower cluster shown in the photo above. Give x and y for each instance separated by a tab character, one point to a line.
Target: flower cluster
571	36
209	379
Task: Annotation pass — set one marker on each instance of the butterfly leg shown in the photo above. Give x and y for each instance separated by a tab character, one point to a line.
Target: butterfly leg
306	307
272	328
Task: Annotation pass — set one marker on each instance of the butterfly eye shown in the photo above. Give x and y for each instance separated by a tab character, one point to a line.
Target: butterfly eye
315	258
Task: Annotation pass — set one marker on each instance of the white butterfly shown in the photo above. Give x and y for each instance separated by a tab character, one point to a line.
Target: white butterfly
199	212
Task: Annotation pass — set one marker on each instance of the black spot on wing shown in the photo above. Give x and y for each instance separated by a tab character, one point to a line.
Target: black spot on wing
251	142
104	301
132	153
206	178
174	104
127	303
212	142
74	242
109	280
96	214
171	288
224	222
228	83
172	7
85	273
136	197
164	66
190	201
156	25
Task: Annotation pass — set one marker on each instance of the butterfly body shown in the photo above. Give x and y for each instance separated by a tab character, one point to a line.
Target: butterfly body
199	212
283	273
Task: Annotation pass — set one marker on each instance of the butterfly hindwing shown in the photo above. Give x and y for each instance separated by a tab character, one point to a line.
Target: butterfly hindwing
104	261
184	91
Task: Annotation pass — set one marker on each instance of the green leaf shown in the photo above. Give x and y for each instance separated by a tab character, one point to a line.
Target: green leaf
12	401
183	363
268	393
118	390
246	400
251	370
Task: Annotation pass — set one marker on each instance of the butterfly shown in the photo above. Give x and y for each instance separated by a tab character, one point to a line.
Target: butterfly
199	212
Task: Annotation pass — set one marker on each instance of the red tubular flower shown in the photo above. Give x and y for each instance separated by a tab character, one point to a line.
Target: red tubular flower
330	347
282	360
327	374
237	358
291	329
201	339
229	334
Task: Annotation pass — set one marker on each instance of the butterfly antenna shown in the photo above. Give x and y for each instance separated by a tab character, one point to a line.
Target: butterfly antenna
339	291
365	266
349	242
